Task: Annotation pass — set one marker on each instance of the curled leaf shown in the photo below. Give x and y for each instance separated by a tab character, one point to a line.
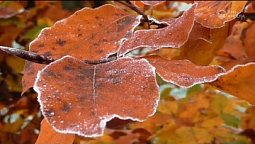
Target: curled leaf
184	73
174	35
124	88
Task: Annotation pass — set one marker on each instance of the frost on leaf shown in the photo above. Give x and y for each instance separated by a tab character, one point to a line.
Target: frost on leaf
89	34
174	35
184	73
124	88
47	133
239	81
214	14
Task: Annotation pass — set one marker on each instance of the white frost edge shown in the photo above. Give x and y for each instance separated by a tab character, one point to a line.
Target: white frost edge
199	80
104	119
162	46
121	41
215	77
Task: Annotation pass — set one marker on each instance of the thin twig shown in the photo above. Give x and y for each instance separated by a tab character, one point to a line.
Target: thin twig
27	55
136	9
245	16
34	57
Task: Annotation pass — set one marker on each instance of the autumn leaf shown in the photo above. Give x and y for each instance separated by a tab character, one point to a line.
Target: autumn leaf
116	89
53	137
214	14
174	35
84	35
201	51
183	72
239	46
239	81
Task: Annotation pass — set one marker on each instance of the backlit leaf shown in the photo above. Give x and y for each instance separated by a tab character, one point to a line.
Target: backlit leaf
239	47
214	14
201	51
239	81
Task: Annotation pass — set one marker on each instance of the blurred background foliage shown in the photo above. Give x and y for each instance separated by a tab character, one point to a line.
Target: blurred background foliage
198	115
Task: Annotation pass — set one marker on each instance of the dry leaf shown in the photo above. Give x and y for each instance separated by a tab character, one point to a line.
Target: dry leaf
183	72
124	88
174	35
50	136
89	34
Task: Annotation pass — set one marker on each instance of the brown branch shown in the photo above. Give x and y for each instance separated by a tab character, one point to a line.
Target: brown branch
244	16
136	9
27	55
34	57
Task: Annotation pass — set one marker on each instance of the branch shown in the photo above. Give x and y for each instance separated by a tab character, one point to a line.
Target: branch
34	57
27	55
136	9
244	16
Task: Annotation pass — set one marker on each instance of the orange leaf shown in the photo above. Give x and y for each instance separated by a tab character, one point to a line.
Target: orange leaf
174	35
239	81
214	14
124	88
89	34
184	73
239	47
50	136
202	52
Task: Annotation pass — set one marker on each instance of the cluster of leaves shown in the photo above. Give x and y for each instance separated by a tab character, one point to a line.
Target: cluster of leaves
105	65
20	23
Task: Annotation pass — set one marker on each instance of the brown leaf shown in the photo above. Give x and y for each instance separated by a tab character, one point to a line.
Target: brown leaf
124	88
184	73
30	72
50	136
214	14
89	34
239	46
200	32
174	35
239	81
202	52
